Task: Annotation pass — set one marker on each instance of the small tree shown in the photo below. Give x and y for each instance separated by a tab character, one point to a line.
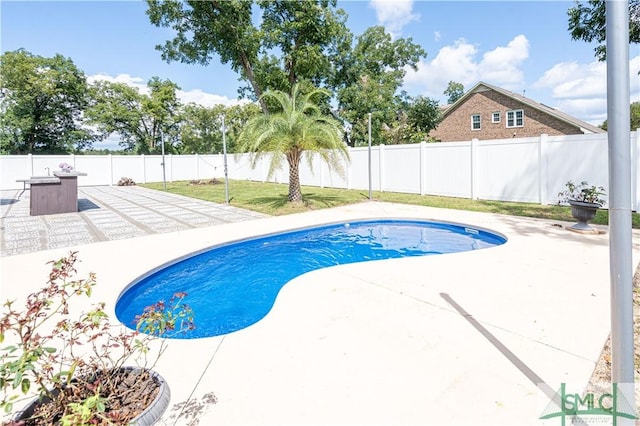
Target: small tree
297	126
423	115
454	91
634	117
366	80
201	127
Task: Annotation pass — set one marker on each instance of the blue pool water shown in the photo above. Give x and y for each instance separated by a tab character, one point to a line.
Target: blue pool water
232	286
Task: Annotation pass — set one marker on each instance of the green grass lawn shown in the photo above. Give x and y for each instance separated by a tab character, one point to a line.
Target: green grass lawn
271	198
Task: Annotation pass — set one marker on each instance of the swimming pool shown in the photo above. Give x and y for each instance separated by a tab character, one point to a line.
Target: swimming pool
234	285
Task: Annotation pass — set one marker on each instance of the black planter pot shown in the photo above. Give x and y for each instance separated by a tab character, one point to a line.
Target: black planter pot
148	417
583	213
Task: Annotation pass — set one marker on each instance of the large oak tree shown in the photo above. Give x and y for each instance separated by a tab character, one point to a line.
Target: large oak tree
295	40
367	79
141	121
41	101
275	44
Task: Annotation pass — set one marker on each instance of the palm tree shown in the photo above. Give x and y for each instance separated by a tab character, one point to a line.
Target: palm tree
297	126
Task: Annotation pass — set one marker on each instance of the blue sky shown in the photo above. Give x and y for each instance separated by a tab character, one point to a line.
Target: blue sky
517	45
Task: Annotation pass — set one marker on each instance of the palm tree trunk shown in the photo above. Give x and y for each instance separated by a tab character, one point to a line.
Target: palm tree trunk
295	193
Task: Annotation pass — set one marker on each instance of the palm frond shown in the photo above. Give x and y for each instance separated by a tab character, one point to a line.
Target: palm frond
297	126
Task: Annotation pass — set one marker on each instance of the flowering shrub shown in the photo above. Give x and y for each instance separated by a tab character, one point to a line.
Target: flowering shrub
582	192
65	167
77	362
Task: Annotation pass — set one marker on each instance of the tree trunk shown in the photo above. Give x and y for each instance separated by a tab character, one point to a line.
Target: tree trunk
295	194
248	69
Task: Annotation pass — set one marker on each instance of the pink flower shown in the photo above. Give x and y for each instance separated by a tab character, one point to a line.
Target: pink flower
65	167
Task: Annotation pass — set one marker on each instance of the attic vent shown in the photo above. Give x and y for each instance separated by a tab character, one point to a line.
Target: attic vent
548	106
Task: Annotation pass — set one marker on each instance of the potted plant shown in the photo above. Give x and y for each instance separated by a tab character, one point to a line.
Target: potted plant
84	369
585	200
65	167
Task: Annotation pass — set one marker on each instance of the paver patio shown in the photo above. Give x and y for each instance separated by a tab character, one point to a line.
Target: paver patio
106	213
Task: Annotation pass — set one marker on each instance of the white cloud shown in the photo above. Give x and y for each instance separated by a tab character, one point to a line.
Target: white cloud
503	63
394	14
571	80
196	96
591	110
458	62
199	97
127	79
581	89
451	63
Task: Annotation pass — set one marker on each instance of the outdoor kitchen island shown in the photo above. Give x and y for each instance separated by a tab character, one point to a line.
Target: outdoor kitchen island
54	194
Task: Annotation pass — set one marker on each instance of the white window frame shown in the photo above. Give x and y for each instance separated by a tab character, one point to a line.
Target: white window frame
473	122
512	117
495	117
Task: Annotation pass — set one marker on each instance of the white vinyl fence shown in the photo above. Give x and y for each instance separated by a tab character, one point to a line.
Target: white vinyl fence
528	169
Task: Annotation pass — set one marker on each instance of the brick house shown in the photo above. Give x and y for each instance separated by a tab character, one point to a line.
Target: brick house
489	112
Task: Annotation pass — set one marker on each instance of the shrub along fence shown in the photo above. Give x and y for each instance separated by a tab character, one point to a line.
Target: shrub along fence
527	169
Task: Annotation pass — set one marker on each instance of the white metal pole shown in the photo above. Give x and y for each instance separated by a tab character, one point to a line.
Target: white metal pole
164	176
224	154
620	236
369	126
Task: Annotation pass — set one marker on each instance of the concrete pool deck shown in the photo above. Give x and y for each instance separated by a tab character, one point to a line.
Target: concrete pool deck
455	339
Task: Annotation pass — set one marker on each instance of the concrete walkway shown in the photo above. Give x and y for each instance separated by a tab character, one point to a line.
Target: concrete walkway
106	213
457	339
